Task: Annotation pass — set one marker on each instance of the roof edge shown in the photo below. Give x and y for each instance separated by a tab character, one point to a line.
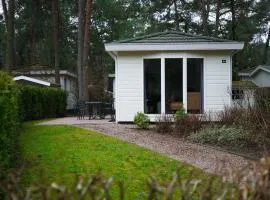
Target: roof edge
169	32
174	47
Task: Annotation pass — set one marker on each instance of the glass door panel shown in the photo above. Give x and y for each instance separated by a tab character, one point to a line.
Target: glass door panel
173	84
195	85
152	86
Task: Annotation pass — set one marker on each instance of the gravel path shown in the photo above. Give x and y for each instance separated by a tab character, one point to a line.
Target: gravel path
205	158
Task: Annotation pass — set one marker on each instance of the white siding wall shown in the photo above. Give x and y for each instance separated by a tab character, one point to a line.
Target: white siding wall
129	87
129	80
262	79
218	81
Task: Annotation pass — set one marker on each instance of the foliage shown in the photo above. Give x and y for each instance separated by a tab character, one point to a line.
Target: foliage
222	136
164	123
9	121
41	102
59	153
114	20
142	120
180	114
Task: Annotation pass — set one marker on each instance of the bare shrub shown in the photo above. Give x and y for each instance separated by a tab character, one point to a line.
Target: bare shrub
254	182
252	113
229	116
164	123
246	184
188	125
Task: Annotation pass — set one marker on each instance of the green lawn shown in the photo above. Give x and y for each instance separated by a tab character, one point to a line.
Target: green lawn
60	153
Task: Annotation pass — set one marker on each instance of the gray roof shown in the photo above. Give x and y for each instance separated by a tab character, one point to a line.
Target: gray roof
267	67
250	71
171	37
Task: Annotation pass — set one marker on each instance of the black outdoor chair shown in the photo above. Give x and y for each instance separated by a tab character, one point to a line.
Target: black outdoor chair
81	109
108	109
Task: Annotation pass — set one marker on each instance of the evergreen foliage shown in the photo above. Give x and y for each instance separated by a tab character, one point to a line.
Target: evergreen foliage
39	103
9	120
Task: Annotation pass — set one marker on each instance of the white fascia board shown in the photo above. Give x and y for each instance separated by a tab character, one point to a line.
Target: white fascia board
243	74
33	80
257	69
173	47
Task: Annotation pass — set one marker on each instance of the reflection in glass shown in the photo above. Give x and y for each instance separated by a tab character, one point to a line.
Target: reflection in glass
152	86
173	84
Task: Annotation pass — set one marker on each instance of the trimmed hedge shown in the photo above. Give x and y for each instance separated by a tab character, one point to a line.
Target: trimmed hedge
9	120
23	103
39	103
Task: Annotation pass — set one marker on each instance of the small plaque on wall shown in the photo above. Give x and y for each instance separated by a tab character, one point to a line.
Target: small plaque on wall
224	61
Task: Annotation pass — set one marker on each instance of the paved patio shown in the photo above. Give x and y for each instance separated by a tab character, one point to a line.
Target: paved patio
205	158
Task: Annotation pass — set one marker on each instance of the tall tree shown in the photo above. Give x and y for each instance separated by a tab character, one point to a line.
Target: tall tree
265	54
86	46
262	14
217	22
33	43
11	62
176	14
80	72
205	9
4	7
233	22
56	38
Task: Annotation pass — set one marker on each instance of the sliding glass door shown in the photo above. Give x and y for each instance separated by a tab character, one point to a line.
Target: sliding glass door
195	85
152	86
173	84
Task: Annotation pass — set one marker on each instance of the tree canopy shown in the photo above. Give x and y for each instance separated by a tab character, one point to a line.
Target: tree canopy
244	20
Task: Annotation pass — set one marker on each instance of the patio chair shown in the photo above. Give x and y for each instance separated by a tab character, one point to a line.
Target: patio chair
81	109
108	109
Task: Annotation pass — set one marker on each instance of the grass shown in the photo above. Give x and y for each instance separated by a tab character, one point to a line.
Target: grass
60	153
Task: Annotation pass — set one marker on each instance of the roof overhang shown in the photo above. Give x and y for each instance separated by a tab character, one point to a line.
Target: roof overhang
257	69
32	80
44	72
115	47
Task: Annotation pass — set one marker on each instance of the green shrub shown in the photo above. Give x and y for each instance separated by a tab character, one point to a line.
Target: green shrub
9	120
40	102
180	114
216	135
142	120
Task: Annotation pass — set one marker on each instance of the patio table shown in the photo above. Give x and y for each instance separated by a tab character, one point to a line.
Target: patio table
95	109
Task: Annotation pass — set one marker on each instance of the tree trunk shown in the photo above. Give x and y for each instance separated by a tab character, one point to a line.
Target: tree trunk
10	36
205	6
233	31
266	47
86	47
81	19
33	46
4	6
56	38
217	17
176	15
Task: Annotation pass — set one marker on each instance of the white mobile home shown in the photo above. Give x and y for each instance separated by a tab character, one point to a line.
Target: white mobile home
161	72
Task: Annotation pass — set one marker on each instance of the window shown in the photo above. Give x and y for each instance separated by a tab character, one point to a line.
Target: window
173	84
237	94
152	86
